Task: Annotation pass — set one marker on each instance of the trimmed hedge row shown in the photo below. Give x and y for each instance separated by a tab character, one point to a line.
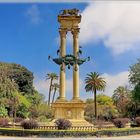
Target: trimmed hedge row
68	133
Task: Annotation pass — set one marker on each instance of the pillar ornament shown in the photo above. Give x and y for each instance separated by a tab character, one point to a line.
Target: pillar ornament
69	60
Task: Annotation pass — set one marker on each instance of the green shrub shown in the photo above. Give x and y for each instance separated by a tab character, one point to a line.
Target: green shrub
99	123
4	122
63	124
134	125
137	120
120	122
3	111
69	133
18	119
29	124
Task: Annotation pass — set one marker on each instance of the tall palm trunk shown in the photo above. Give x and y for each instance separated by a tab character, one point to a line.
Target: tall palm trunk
14	119
53	95
95	104
14	112
49	98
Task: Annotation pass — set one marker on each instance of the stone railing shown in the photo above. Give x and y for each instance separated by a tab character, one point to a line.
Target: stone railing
80	128
47	127
104	126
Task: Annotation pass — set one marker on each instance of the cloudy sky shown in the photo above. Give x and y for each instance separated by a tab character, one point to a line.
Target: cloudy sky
110	35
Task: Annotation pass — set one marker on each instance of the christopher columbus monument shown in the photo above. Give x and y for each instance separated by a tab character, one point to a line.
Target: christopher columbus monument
73	109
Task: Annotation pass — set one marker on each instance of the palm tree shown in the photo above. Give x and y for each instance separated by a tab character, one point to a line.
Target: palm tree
121	97
51	77
120	93
94	82
55	87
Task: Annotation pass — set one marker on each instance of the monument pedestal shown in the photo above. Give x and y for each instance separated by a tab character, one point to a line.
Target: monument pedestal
72	110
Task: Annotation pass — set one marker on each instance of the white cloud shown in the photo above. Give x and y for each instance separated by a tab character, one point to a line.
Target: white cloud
34	14
117	23
113	81
43	86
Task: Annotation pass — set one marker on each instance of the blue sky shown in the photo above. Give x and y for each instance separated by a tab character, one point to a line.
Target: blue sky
29	33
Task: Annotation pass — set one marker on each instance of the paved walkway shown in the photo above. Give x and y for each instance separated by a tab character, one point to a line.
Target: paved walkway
134	137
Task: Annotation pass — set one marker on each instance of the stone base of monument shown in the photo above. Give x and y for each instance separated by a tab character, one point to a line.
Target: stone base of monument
80	123
72	110
75	123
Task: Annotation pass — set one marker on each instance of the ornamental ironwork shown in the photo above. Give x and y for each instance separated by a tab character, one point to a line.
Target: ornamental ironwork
70	60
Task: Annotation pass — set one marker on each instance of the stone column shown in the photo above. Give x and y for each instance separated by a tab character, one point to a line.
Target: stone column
75	33
62	67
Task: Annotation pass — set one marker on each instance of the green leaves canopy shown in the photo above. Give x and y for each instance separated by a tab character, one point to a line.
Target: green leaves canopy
134	75
94	82
135	80
17	93
22	77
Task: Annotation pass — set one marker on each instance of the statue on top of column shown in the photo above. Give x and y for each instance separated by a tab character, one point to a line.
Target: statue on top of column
69	12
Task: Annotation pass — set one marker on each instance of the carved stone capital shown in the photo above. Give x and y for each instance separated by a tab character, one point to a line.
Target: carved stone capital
62	32
75	32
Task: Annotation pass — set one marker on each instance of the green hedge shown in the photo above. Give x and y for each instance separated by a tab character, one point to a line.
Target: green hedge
69	133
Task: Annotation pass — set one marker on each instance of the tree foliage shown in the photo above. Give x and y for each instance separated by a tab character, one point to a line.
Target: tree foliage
21	75
103	99
3	111
134	78
18	98
40	110
136	93
7	86
106	109
121	98
134	75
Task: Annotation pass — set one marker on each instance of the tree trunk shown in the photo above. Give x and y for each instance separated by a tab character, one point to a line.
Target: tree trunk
53	95
49	98
14	116
95	104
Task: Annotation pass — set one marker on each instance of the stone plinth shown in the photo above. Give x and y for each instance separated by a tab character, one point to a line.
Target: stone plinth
71	110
